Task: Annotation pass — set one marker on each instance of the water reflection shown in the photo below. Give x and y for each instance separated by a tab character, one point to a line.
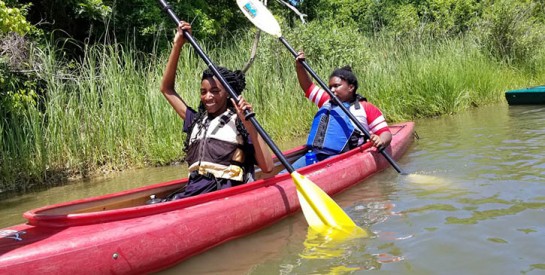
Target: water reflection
323	255
324	245
483	215
326	254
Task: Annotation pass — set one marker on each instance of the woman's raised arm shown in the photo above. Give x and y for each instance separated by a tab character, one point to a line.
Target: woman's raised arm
169	76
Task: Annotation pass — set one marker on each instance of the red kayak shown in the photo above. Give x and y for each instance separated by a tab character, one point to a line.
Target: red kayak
120	234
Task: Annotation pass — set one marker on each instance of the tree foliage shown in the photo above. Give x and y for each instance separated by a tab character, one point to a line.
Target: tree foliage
512	31
450	17
16	90
139	21
507	29
13	19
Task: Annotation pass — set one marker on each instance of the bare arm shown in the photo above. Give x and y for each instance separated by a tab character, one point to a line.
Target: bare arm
304	79
262	154
382	140
169	76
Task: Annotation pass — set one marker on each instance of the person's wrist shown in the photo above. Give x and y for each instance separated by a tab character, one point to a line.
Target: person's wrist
178	44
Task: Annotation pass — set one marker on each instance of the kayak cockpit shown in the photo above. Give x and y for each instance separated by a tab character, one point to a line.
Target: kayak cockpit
131	203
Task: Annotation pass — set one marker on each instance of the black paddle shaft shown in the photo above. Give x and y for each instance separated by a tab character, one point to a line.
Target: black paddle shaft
338	102
248	115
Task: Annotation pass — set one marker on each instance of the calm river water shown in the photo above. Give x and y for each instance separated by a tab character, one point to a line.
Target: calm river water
480	209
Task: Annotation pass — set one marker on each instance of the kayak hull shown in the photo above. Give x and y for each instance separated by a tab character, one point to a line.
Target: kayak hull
526	96
149	238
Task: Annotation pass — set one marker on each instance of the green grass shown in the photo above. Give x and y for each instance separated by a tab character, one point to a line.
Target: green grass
106	112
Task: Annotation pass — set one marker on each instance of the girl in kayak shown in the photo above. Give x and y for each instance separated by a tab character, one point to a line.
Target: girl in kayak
332	131
221	146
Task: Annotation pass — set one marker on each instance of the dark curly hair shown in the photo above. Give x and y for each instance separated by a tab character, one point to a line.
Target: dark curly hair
237	80
345	73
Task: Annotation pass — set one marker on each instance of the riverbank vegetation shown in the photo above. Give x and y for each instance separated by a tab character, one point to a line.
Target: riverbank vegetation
66	116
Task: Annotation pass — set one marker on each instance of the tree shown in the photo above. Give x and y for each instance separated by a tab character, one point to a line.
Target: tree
13	19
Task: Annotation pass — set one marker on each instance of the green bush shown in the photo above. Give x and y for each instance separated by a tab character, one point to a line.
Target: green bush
13	19
329	42
511	31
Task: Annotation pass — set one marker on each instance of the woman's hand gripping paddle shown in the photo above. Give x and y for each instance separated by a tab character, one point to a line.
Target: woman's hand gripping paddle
321	212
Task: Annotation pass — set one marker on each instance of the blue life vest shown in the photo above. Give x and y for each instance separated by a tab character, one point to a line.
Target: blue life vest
332	131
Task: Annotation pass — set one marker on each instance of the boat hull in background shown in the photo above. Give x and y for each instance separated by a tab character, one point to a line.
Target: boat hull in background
526	96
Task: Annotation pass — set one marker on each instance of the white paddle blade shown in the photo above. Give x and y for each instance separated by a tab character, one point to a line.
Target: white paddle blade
260	16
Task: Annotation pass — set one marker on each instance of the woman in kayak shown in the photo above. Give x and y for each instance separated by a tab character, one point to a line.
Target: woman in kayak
221	146
332	131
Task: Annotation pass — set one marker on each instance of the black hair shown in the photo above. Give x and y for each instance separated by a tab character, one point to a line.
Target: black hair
237	80
345	73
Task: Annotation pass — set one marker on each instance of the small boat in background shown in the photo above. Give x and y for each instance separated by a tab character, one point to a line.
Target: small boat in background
526	96
120	234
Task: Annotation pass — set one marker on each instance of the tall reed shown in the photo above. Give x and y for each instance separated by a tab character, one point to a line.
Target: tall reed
106	112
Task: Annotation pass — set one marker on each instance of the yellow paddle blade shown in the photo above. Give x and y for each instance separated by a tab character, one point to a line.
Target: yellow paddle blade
321	212
310	215
330	243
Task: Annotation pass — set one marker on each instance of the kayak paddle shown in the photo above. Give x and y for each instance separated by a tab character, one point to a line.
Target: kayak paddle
320	211
263	19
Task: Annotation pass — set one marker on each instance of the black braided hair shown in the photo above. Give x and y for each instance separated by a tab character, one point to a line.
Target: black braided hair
345	73
237	80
